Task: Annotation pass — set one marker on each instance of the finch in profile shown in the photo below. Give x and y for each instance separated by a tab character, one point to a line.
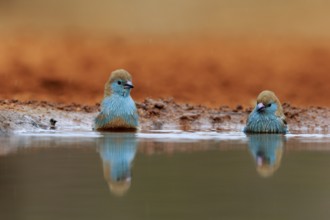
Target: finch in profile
118	110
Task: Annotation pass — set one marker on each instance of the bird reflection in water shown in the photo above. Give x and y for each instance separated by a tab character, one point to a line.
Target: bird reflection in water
267	151
117	151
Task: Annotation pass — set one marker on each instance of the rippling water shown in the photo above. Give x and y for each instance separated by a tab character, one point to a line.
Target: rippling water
164	175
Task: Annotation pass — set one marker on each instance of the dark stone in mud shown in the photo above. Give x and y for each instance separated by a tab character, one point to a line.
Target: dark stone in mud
52	123
190	117
239	108
220	119
141	106
154	112
88	108
189	107
159	105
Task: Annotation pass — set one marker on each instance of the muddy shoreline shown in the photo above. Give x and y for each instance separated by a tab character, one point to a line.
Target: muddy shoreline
161	114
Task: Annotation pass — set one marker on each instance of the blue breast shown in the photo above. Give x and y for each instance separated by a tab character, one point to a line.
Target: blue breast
264	123
117	107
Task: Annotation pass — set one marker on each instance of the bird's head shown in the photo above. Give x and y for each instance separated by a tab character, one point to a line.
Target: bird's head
268	103
120	82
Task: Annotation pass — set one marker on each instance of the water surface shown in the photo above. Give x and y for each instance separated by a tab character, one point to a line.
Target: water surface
164	175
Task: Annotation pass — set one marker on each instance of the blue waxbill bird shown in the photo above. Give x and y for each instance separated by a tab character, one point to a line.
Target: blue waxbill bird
267	116
118	110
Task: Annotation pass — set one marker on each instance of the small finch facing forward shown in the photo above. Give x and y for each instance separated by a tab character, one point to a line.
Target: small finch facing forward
267	116
118	110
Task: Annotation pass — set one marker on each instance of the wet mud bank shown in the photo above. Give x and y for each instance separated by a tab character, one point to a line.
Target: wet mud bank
162	114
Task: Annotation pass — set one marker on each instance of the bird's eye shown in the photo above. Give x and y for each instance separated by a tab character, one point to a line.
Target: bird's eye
119	82
270	104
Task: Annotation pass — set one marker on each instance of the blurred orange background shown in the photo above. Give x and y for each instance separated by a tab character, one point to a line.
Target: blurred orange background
202	52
